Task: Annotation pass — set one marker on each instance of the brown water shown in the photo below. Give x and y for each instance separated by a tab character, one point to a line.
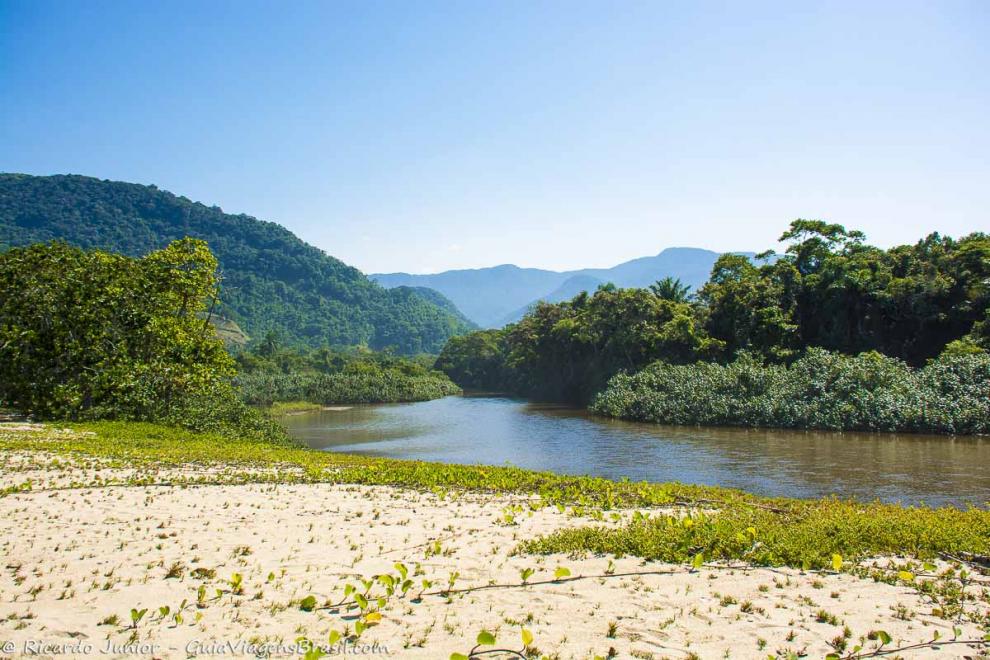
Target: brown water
910	469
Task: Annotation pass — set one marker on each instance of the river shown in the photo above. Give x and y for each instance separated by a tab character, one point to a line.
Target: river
904	468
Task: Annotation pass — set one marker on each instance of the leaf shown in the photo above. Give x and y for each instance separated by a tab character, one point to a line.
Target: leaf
373	618
883	637
458	656
527	637
907	576
334	637
485	638
698	560
308	604
836	562
561	572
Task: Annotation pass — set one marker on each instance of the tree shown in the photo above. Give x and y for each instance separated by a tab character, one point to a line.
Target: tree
87	335
672	289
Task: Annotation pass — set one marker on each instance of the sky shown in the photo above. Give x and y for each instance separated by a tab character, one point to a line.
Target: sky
425	136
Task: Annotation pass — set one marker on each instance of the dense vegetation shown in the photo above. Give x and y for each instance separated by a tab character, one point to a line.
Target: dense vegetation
829	291
94	335
271	279
270	373
822	390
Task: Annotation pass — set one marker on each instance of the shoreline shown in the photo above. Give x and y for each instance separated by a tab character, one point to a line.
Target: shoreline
102	532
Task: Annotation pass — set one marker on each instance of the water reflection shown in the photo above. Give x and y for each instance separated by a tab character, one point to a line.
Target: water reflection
904	468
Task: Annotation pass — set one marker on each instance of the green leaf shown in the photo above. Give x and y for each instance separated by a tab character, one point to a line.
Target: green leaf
907	576
527	637
698	561
883	637
485	638
308	604
334	637
836	562
561	572
458	656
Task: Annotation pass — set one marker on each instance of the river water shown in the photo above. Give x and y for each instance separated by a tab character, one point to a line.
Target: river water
904	468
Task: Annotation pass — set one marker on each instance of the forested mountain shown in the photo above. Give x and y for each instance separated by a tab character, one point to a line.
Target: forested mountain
492	297
272	280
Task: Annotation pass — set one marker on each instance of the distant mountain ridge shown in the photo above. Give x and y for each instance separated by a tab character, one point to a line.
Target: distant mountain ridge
492	297
272	280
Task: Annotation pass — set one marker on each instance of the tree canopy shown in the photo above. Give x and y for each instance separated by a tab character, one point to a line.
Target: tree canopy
828	290
93	334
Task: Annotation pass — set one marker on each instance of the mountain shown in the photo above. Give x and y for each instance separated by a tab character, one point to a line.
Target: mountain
485	295
272	280
571	287
492	297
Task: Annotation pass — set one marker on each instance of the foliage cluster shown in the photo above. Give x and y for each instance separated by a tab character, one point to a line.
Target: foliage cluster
569	350
271	373
821	390
376	386
93	335
802	534
271	279
829	290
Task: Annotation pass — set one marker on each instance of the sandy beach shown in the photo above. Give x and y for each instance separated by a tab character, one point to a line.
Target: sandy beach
78	558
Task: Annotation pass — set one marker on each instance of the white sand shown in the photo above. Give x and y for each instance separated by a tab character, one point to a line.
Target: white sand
73	557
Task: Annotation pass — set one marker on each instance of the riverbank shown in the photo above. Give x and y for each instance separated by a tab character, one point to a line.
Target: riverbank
103	519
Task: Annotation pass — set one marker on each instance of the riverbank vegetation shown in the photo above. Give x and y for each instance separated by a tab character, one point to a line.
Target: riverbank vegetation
270	373
94	335
804	314
821	390
91	335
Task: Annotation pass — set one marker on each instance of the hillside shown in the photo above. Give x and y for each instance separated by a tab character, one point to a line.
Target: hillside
492	297
570	288
272	280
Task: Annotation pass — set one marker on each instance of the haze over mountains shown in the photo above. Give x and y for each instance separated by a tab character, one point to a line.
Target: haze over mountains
492	297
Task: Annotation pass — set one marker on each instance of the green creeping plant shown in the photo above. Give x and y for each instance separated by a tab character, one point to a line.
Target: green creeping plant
237	584
136	616
486	638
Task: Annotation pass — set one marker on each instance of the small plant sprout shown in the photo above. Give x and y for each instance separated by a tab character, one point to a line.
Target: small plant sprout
525	574
136	616
237	584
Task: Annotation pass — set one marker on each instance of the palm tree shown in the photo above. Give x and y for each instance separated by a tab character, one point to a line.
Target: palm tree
671	288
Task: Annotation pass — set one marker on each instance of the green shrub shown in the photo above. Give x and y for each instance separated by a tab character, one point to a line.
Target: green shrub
376	386
822	390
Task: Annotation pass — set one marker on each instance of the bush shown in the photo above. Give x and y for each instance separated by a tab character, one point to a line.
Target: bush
374	386
93	335
822	390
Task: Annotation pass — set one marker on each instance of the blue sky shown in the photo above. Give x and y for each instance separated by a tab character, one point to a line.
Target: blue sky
423	136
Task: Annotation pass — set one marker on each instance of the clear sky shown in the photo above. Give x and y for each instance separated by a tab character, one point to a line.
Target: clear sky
423	136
